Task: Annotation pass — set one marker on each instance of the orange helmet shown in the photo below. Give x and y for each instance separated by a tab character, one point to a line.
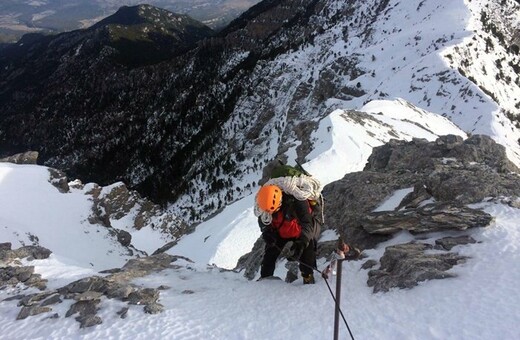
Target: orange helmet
269	198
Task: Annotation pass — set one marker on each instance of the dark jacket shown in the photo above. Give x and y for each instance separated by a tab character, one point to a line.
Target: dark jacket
293	208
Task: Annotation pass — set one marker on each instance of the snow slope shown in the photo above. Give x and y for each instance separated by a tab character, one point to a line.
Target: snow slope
204	302
343	143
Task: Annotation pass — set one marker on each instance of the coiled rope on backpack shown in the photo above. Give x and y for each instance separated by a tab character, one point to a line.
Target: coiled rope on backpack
302	187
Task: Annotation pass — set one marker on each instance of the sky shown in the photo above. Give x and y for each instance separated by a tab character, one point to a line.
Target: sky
206	302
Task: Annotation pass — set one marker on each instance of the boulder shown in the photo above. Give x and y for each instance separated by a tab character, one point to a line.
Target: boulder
32	310
59	180
405	265
124	238
33	252
29	157
431	217
447	243
11	276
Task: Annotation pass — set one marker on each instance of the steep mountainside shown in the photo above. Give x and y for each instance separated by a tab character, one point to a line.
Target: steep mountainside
215	115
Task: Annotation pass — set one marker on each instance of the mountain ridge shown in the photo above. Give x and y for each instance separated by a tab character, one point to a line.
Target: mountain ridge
260	90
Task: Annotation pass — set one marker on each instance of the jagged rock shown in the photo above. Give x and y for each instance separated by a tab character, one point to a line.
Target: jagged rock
470	183
119	291
292	271
14	275
34	299
5	246
164	248
92	283
124	238
347	201
428	218
88	296
36	281
111	271
117	201
14	297
52	300
449	169
404	265
84	308
33	252
21	274
150	263
144	296
447	243
88	320
369	264
421	155
419	195
153	308
251	262
392	155
123	312
59	180
32	310
29	157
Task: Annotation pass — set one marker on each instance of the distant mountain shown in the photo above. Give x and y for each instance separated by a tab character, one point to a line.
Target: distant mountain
195	131
18	17
145	34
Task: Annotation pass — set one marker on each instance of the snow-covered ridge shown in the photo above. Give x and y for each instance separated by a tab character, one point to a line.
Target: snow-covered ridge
343	142
368	51
223	239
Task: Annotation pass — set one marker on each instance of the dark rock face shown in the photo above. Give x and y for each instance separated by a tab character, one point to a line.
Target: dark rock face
448	173
428	218
420	155
404	265
447	243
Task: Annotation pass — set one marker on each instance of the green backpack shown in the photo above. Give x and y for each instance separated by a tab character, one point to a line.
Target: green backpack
284	170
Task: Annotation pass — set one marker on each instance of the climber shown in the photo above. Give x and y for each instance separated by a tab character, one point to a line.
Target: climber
285	209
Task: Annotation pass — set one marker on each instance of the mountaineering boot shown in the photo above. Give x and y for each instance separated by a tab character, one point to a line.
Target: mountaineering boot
308	279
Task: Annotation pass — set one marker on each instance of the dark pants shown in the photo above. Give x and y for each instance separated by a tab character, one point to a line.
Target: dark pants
307	259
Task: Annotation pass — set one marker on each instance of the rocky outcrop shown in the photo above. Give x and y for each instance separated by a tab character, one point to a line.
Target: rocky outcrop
405	265
29	157
31	252
13	273
88	292
116	202
431	217
448	173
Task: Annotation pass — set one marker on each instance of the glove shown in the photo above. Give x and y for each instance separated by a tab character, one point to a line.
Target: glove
325	273
297	249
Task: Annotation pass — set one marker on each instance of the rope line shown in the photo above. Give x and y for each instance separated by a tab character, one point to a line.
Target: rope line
330	291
